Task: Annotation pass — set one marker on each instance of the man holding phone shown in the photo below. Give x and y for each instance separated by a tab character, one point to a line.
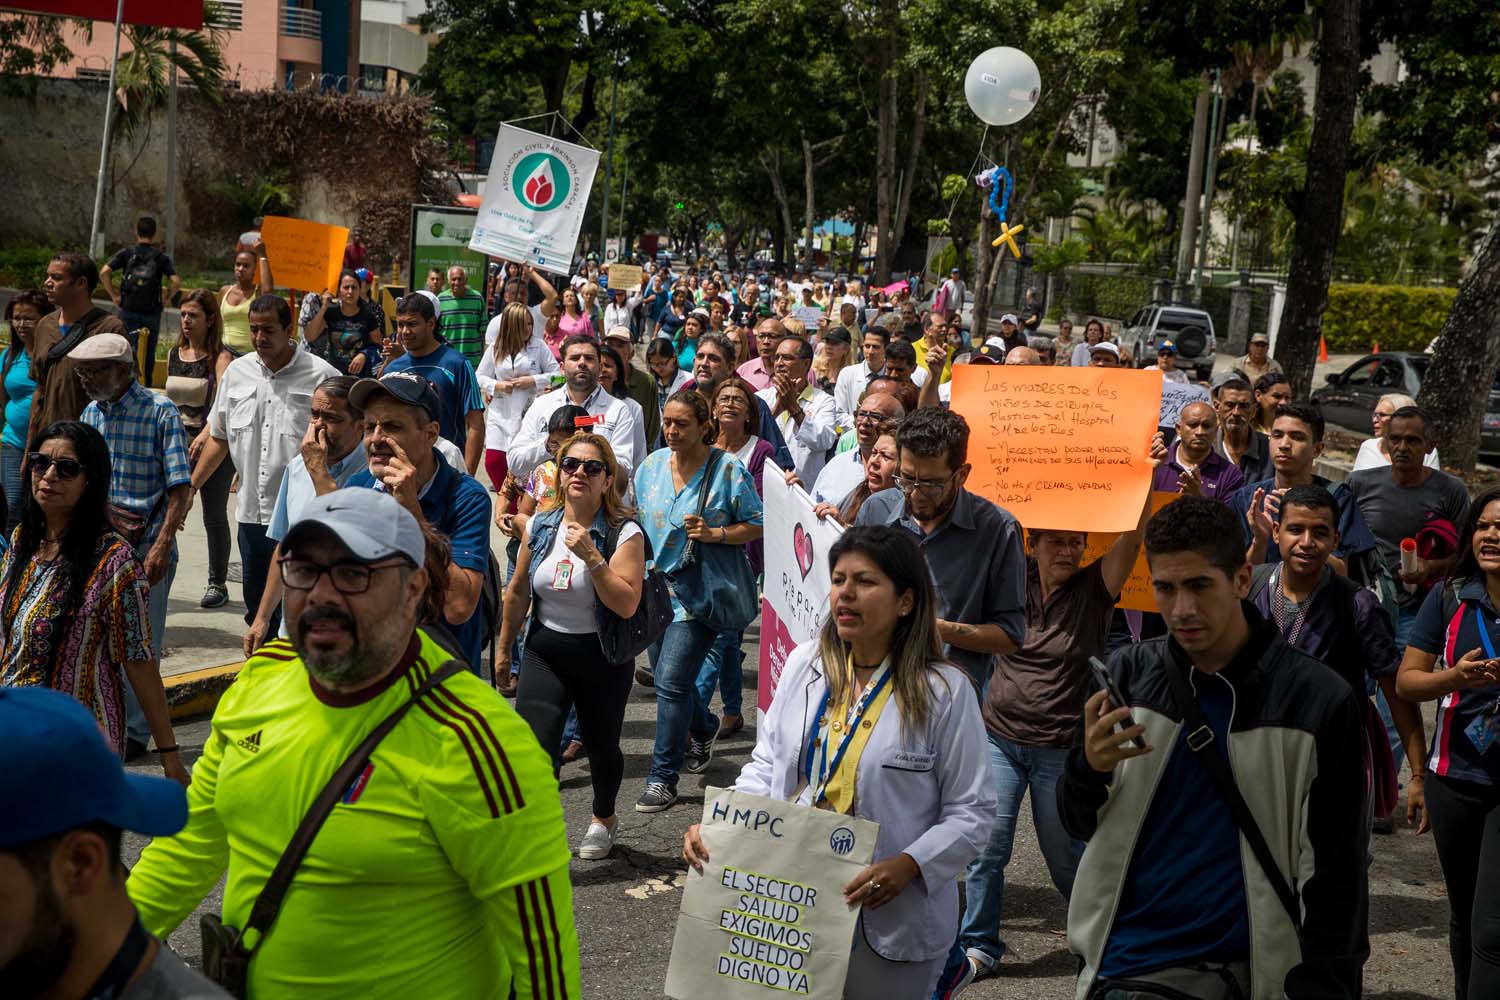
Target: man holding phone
1031	710
1223	855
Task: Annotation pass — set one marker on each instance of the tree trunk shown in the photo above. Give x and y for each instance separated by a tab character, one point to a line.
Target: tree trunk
808	207
1319	215
885	139
1467	355
770	161
918	126
982	288
1187	238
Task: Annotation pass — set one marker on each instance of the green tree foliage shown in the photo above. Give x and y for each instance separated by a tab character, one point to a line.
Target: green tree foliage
31	46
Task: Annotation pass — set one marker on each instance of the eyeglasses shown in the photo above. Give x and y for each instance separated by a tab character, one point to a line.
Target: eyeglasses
67	468
925	487
874	415
347	577
591	466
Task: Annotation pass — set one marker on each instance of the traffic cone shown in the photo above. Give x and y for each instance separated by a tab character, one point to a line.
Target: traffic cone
1375	349
1322	348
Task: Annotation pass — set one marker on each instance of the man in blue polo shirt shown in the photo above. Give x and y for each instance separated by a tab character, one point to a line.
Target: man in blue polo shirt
402	414
461	414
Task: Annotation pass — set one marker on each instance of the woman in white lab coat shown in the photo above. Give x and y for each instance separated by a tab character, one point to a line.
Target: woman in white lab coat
870	721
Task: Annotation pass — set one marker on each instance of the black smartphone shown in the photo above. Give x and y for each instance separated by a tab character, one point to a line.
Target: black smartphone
1106	682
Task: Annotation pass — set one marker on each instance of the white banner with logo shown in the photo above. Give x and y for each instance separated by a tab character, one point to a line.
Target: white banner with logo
534	199
767	917
794	596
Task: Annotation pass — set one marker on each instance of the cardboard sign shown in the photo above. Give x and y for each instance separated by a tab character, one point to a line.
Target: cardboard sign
767	917
1060	448
794	600
1136	595
810	315
623	276
304	255
534	199
1175	396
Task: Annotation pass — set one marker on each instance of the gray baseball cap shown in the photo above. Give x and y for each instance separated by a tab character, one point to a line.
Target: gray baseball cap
372	525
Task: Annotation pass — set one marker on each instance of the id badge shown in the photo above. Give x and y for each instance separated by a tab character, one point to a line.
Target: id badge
562	577
1484	731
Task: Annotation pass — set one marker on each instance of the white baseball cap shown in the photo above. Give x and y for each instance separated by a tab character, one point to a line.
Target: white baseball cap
372	524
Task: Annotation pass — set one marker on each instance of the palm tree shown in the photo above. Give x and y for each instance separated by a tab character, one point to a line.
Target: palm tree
143	77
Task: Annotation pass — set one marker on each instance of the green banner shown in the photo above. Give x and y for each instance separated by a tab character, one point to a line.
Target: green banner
440	238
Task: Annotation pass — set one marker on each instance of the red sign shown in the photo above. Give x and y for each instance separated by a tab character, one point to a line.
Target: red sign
158	13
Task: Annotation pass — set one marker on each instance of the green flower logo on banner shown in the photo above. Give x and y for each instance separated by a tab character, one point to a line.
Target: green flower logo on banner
541	182
438	229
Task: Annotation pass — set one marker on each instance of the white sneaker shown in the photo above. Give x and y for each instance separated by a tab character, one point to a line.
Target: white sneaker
598	842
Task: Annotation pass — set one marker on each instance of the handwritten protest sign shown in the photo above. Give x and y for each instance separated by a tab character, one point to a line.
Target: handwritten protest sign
1060	447
767	917
623	276
304	255
809	315
1177	395
795	597
1136	595
534	199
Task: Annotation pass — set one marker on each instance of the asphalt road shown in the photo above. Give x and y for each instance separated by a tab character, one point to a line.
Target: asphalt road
626	906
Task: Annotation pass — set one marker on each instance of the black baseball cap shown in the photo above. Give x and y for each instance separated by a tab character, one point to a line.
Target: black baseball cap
406	387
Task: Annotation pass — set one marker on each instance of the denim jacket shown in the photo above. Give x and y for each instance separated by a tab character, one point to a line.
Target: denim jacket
543	530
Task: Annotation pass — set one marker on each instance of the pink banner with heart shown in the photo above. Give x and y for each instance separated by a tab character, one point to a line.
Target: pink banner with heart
796	585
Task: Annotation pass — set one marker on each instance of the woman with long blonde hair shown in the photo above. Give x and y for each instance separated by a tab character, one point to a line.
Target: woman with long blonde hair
564	577
868	720
516	368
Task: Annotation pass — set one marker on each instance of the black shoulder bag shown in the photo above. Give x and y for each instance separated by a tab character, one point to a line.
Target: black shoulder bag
623	639
1200	741
226	960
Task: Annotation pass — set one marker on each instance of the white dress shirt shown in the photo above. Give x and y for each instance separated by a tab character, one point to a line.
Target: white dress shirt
503	413
262	415
808	442
624	431
619	315
840	477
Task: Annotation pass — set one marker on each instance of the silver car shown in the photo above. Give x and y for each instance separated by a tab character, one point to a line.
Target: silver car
1190	330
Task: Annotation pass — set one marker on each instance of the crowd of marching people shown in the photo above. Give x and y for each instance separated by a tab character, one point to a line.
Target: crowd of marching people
1204	780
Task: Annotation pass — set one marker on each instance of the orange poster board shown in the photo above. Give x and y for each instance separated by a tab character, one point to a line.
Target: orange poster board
304	255
1136	595
1060	448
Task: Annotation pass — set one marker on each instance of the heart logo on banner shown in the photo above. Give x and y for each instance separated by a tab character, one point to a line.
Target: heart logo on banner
802	545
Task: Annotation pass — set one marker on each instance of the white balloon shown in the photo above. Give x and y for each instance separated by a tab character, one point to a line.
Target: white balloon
1002	85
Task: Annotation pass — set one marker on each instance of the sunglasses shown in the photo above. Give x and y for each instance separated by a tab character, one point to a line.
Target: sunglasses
591	466
67	468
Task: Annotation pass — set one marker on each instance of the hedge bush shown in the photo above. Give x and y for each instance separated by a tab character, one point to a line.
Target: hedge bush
1398	317
25	266
1116	296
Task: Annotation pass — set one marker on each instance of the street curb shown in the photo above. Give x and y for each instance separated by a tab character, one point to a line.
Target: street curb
197	692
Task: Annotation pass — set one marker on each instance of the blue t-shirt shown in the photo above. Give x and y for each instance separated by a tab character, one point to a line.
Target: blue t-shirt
18	390
453	377
1450	632
457	506
1184	894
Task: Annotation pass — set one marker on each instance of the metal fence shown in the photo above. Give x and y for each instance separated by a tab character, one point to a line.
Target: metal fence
300	22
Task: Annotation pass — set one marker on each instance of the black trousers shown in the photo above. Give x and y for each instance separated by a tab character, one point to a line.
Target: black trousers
1466	830
559	670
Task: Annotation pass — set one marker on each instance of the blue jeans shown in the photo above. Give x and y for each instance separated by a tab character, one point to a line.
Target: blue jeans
722	668
151	322
156	613
680	711
10	475
256	551
1016	768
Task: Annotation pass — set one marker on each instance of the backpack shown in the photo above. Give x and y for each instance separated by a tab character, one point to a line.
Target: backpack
141	285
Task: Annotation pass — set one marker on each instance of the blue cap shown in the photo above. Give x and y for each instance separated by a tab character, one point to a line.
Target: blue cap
58	773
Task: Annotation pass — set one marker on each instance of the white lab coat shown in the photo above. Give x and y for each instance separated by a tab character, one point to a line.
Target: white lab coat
930	791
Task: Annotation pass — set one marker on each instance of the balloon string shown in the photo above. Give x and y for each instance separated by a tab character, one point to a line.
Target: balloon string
978	155
1000	197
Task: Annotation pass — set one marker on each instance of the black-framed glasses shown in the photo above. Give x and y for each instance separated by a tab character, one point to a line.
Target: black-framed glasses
591	466
67	468
348	577
874	415
926	487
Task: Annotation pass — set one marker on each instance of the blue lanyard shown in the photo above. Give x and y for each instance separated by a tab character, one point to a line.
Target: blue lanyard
828	770
1484	633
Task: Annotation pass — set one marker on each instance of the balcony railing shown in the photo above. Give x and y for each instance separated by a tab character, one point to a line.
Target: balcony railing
300	22
228	15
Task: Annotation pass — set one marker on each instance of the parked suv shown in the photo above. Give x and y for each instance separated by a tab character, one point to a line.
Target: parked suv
1192	330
